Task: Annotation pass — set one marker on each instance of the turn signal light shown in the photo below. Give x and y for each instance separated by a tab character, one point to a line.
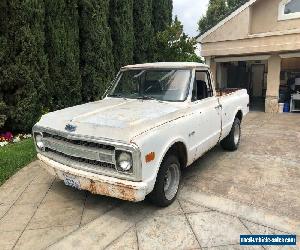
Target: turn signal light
150	157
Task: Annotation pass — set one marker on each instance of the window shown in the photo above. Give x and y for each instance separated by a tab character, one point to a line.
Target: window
289	9
165	85
202	86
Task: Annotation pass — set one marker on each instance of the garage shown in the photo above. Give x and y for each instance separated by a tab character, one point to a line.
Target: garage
248	73
290	83
259	51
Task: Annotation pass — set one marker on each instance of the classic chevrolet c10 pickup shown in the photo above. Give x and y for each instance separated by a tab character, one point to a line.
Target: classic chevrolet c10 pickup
154	120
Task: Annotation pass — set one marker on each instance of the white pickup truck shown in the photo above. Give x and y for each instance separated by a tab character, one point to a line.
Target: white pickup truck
154	120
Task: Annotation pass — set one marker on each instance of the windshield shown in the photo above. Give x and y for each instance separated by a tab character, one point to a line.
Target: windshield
164	85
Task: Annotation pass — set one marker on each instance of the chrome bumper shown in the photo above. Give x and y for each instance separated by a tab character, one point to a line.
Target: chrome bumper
97	184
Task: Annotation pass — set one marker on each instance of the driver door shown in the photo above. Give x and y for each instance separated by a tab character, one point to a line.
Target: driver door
206	114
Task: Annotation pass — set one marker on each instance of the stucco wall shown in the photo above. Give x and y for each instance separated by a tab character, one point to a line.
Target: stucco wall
264	18
236	28
260	19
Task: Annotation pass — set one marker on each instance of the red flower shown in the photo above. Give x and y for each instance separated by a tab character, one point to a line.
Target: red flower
7	136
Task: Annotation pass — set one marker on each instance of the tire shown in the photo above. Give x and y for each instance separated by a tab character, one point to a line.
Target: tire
232	141
167	182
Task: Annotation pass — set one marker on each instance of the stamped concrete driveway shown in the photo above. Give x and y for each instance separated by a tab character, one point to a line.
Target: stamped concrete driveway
252	191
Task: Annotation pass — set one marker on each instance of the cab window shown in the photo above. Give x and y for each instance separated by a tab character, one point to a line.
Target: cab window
202	86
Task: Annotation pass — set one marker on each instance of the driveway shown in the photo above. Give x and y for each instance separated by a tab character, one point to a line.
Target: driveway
254	190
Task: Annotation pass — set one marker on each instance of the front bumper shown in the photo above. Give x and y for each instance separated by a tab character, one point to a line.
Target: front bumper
97	184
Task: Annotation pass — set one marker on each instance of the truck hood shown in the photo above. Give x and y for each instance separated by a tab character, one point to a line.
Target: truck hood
112	118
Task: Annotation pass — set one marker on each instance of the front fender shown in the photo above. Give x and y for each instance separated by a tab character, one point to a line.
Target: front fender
158	141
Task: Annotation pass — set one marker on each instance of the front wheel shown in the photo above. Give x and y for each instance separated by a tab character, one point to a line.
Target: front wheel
167	182
232	141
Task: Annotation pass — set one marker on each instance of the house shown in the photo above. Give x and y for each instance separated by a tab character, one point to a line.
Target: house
256	47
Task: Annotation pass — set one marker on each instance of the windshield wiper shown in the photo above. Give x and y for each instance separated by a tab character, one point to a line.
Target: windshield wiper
117	95
146	97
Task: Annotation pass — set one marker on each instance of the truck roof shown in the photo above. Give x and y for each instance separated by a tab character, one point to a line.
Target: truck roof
166	65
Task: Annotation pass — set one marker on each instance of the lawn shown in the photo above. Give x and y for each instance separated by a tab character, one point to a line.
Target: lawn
15	156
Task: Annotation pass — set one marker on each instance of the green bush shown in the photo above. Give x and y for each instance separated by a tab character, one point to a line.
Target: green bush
62	48
121	23
3	116
96	58
23	62
143	31
161	14
59	53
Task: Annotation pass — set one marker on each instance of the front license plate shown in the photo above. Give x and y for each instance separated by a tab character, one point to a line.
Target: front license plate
71	181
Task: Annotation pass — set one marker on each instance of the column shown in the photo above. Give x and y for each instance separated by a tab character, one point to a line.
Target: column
213	70
273	83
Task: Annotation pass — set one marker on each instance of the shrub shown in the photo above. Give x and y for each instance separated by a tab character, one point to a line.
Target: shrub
96	59
121	23
23	63
62	48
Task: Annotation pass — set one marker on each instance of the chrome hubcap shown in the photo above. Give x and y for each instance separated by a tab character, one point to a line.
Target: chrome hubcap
171	184
237	134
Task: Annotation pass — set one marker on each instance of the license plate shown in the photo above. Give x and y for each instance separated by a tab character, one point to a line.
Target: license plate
71	181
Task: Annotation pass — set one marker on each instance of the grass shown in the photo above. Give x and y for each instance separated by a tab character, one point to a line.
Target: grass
15	156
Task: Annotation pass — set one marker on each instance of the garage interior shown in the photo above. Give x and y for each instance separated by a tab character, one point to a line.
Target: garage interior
252	75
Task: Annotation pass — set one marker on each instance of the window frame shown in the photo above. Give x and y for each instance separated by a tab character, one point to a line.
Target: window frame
282	16
210	91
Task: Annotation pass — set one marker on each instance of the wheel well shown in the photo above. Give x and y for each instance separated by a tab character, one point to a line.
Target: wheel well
179	149
239	115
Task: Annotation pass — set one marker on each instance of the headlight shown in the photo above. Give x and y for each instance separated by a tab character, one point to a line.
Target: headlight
39	141
124	161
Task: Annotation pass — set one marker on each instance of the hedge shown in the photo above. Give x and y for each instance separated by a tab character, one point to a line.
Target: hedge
55	54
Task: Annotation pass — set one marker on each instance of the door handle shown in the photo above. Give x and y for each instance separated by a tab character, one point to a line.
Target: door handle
219	107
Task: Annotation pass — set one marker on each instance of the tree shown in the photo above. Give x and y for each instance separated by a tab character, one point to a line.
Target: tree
23	63
234	4
4	48
3	116
62	47
161	14
175	45
121	23
96	58
143	31
4	58
161	20
217	11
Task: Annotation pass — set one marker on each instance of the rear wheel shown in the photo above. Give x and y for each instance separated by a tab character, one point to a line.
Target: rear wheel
232	141
167	182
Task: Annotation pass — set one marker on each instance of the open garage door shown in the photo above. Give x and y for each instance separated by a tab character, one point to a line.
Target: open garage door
250	75
290	82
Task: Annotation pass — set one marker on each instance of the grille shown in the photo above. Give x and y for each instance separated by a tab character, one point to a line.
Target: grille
91	156
79	142
81	160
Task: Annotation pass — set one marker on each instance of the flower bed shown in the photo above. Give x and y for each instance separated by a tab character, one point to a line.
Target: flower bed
7	138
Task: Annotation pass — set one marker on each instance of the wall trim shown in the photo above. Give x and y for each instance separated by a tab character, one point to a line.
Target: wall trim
290	55
275	33
243	58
